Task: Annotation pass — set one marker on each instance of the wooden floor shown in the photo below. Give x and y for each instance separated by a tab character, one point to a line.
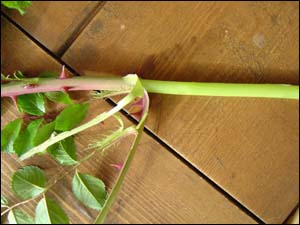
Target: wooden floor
202	159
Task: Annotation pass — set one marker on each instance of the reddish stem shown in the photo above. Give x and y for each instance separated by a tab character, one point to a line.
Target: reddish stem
70	84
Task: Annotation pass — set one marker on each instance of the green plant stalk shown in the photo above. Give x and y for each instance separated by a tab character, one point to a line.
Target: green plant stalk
114	192
98	119
284	91
222	89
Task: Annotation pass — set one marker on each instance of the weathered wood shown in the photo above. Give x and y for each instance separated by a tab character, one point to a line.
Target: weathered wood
250	147
56	24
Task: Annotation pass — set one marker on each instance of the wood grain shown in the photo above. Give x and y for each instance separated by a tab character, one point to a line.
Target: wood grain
9	53
56	24
158	189
250	147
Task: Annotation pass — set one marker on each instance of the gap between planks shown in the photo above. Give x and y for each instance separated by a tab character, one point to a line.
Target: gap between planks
291	215
147	130
61	51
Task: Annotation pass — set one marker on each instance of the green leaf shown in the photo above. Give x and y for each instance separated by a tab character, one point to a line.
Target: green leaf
89	190
59	96
4	201
24	141
44	133
9	134
33	104
28	182
49	212
17	216
21	6
70	117
64	152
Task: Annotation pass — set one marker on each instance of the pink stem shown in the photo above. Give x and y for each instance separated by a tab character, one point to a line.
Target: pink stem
16	88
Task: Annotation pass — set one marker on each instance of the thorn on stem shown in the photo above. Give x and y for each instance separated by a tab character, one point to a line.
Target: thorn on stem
63	74
118	166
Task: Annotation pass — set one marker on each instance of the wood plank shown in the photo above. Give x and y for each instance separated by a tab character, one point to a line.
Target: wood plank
250	147
158	189
56	24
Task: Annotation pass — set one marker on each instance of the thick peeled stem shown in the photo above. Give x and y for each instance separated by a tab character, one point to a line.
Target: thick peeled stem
222	89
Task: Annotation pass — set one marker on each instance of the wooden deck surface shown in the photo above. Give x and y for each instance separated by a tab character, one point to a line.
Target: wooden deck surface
224	160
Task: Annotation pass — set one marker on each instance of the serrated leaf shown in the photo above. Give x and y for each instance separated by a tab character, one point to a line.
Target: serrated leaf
4	201
33	104
44	133
65	152
59	96
17	216
24	141
21	6
9	134
49	212
28	182
89	190
71	117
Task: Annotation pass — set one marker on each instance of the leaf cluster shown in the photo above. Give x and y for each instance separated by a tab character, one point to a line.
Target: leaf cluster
56	137
30	182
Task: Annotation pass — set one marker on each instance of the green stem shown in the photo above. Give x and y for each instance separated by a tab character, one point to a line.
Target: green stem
98	119
17	205
222	89
114	192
